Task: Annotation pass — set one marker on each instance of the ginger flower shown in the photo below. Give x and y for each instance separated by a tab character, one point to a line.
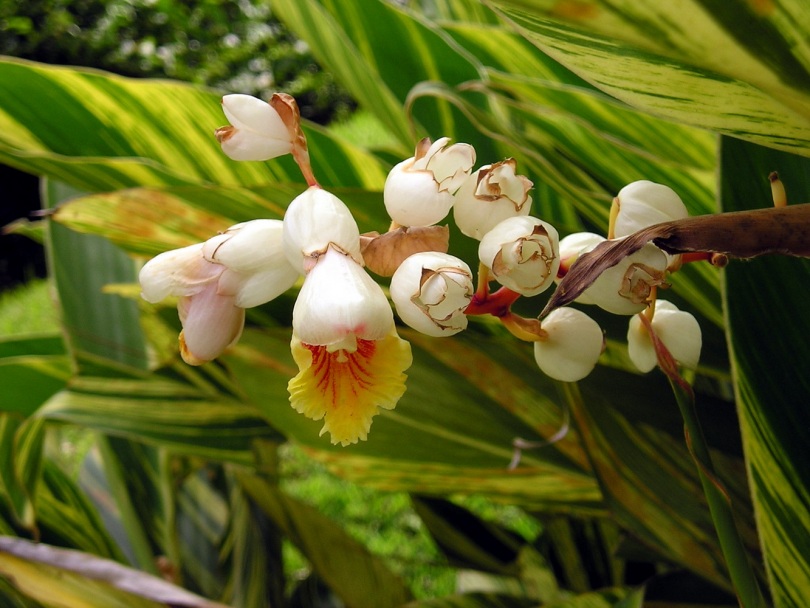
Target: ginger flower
351	361
490	195
627	287
677	329
419	191
256	132
243	267
642	204
572	345
522	254
431	291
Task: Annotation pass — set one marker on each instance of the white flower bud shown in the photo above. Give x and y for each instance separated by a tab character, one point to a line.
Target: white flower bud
624	289
256	132
573	345
490	195
431	291
314	220
522	254
677	329
645	203
340	303
419	191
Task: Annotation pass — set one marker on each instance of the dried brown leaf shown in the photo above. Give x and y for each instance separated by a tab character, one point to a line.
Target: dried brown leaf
740	234
384	253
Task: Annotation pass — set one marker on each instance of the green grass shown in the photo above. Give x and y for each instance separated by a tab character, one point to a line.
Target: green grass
28	309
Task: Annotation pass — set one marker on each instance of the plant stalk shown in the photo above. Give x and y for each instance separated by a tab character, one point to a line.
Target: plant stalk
741	572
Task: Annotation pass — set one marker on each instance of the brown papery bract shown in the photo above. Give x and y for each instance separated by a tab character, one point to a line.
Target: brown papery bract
384	253
739	234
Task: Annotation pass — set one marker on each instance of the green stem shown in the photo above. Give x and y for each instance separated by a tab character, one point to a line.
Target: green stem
742	574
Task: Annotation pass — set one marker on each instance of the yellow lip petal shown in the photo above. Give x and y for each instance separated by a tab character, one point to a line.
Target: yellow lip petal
347	389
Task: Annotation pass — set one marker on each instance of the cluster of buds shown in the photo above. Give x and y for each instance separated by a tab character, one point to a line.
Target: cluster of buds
351	360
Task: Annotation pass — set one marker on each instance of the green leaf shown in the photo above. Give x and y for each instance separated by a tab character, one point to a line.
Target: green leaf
468	541
670	59
650	481
768	350
113	132
32	368
165	413
357	576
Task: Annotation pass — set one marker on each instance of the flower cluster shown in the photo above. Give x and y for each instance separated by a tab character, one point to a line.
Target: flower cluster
351	360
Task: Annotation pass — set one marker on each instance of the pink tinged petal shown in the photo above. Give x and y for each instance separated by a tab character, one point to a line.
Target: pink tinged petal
180	272
315	220
573	345
339	301
211	323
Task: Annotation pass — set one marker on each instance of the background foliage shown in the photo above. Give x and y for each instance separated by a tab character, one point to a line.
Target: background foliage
186	479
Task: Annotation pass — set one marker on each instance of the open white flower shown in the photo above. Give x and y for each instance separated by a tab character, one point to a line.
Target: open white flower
625	288
572	347
522	254
431	290
243	267
645	203
315	220
419	191
488	196
256	132
677	329
351	360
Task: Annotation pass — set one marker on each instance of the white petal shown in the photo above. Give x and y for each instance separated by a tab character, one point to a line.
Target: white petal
179	272
252	114
678	330
257	133
644	203
522	253
248	246
476	212
431	291
451	166
639	346
609	291
573	347
412	198
265	285
315	219
245	145
339	300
